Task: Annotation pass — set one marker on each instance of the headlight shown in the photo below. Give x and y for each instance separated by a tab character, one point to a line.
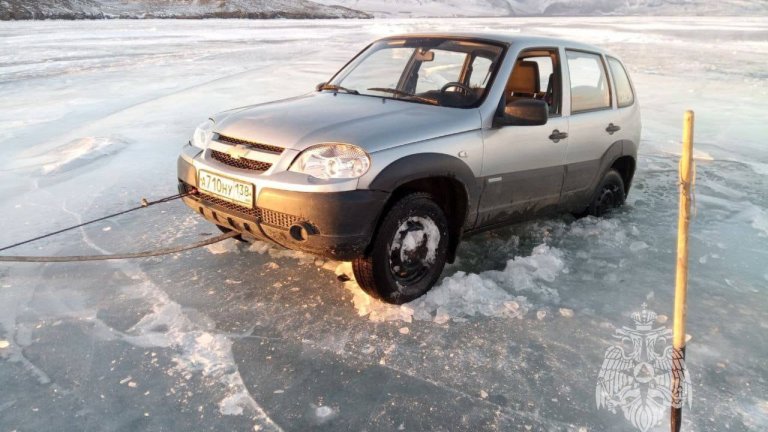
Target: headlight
332	161
203	134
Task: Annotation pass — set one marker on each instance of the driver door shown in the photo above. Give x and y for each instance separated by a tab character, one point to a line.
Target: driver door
524	166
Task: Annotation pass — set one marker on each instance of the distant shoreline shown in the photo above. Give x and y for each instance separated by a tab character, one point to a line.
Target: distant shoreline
299	16
248	16
76	10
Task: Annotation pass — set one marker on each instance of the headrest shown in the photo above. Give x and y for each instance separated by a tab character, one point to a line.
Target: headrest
524	79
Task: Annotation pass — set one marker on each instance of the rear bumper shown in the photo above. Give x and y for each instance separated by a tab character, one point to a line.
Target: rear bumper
336	225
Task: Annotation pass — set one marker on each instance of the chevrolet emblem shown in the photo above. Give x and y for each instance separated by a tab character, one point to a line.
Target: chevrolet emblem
237	151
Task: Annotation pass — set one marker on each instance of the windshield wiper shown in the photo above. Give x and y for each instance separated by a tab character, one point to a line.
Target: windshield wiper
338	88
397	92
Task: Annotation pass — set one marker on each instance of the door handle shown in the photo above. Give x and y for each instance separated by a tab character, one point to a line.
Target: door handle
612	128
556	135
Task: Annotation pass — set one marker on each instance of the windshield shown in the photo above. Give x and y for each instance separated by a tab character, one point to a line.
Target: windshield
436	71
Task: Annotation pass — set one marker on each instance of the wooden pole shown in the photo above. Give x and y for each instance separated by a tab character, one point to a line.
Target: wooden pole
681	274
684	218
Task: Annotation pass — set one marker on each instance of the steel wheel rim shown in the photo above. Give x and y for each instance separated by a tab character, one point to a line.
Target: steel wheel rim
608	199
409	267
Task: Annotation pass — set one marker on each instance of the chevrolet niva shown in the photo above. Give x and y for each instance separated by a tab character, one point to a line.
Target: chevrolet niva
418	141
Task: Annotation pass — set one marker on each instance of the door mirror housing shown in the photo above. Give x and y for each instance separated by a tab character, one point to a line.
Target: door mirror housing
523	112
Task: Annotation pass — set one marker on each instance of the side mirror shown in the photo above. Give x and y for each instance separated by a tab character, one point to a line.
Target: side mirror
320	86
523	112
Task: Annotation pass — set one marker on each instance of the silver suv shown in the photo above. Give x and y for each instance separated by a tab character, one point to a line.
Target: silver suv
416	142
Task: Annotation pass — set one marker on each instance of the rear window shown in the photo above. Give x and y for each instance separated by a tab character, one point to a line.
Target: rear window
624	93
589	83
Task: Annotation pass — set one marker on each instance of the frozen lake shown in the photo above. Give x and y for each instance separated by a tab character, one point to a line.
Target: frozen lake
232	337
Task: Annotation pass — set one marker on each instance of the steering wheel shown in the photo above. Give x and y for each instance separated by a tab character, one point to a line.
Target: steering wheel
467	89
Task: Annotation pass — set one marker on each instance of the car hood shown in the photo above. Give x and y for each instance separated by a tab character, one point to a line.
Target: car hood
372	123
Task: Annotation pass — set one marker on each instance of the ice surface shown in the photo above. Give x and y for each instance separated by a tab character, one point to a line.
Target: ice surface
254	337
488	8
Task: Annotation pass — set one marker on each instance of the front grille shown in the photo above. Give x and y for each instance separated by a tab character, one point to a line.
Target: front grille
278	219
254	212
255	145
242	163
269	217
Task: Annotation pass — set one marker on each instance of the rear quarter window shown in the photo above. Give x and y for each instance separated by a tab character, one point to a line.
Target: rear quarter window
621	83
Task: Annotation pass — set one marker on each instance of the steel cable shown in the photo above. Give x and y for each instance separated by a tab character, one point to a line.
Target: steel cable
144	254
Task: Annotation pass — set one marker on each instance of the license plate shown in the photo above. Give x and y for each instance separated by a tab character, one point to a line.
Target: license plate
226	188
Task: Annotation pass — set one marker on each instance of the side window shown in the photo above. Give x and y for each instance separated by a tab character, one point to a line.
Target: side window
536	75
624	93
545	71
589	83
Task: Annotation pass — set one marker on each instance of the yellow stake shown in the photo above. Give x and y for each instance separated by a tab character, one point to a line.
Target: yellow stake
681	276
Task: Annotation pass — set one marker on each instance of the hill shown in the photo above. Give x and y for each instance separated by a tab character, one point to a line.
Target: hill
98	9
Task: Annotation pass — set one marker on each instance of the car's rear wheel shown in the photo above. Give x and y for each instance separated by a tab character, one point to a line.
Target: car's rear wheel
408	253
609	194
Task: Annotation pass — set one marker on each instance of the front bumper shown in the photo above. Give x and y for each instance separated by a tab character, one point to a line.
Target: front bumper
336	225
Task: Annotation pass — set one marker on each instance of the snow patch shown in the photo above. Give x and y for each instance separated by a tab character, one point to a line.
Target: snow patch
259	247
376	310
463	295
413	239
323	414
225	246
759	220
303	257
530	274
79	152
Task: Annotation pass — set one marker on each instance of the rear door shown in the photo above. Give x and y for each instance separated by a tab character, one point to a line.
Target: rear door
523	166
627	116
592	125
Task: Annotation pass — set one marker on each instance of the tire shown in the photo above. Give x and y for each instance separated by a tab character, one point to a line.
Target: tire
609	194
225	230
405	259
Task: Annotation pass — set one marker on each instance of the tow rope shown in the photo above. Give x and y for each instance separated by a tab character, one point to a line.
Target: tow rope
144	254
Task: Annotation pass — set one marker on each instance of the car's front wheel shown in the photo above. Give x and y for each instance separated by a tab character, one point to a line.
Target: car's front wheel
408	253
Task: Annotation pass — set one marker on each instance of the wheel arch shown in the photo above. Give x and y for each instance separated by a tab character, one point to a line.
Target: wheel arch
621	155
447	179
625	165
